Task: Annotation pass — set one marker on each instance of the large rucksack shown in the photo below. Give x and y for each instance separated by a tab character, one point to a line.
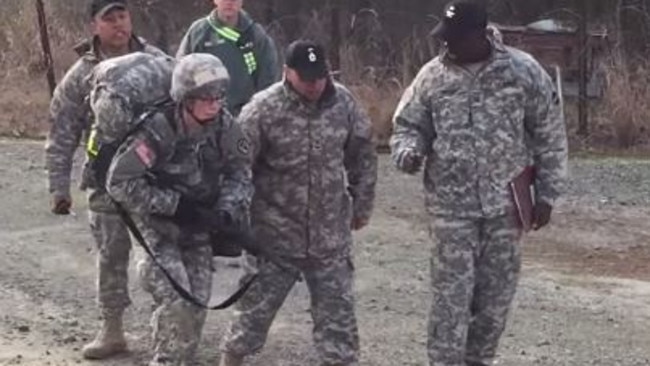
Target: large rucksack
127	92
124	89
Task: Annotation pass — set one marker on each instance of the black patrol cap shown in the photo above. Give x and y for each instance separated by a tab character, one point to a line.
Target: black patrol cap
308	59
461	17
101	7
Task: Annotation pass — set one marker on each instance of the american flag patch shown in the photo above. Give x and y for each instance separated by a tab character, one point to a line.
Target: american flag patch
145	153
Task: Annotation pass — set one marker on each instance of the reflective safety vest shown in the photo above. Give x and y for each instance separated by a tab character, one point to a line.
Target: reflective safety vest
92	145
245	45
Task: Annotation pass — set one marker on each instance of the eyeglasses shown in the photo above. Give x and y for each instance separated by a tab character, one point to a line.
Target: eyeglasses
211	98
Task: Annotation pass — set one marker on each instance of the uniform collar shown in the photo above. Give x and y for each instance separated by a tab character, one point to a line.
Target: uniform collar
90	47
498	53
244	21
327	99
216	124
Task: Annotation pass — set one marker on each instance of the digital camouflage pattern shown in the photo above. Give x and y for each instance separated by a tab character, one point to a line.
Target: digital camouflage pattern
133	82
177	324
314	170
71	119
114	246
151	171
162	162
477	129
210	165
199	75
71	116
330	284
479	132
474	269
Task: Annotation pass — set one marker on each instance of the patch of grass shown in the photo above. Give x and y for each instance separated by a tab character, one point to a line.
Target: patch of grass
621	120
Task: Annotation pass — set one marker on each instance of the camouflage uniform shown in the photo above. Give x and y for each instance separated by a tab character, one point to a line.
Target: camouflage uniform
314	170
477	132
152	171
71	119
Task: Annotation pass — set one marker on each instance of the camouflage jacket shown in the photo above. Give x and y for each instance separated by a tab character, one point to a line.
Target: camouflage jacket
314	169
163	161
71	117
478	131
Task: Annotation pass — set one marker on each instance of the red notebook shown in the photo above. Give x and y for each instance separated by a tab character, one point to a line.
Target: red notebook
522	190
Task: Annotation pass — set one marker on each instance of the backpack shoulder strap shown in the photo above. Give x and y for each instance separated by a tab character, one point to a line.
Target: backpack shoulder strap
180	289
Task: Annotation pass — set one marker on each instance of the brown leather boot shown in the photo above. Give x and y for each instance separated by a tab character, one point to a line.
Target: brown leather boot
229	359
109	341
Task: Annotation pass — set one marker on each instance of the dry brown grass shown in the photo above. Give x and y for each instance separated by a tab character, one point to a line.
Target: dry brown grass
24	105
380	87
22	99
621	120
17	40
376	72
378	95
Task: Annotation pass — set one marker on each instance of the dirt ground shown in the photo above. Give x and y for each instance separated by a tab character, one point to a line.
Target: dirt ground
583	298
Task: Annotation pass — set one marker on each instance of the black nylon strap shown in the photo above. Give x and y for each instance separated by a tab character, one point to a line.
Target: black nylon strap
184	293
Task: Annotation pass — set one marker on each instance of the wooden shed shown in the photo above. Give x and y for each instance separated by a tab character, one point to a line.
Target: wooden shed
559	46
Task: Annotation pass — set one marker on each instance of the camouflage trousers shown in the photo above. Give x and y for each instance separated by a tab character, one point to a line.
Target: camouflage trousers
114	246
330	283
177	324
474	268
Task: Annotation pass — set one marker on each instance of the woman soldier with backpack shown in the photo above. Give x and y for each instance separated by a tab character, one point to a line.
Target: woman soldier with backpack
164	176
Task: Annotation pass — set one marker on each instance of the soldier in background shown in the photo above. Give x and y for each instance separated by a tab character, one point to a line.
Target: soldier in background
248	52
71	118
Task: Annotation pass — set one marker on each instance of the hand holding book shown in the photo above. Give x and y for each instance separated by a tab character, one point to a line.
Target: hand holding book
542	215
532	215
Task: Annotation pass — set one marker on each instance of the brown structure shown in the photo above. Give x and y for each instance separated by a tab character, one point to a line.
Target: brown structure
562	47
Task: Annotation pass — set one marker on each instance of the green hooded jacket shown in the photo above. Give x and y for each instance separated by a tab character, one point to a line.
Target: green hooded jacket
247	51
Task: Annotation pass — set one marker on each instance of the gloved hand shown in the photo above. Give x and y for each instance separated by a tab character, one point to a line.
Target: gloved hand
219	219
409	161
358	223
61	204
225	220
187	212
541	215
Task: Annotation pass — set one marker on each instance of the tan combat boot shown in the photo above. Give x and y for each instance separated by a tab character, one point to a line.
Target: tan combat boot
110	340
229	359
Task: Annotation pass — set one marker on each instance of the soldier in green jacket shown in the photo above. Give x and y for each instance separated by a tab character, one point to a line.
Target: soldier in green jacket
243	45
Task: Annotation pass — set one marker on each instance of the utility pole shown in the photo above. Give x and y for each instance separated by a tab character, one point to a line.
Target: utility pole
335	51
269	12
45	43
583	40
